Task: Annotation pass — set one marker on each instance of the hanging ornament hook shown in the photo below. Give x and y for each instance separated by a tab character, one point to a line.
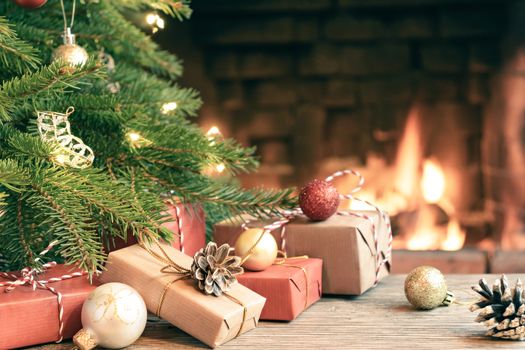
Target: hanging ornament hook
69	51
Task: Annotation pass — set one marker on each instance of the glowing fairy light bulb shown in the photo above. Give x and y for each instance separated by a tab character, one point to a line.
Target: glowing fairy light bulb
151	18
133	136
168	107
160	22
220	168
213	132
155	21
136	139
60	158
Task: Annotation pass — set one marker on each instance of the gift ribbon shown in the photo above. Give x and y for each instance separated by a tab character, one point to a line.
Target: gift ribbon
28	277
183	273
178	218
289	215
282	262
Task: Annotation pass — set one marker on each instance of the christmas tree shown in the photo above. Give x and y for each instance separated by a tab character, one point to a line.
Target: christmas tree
130	142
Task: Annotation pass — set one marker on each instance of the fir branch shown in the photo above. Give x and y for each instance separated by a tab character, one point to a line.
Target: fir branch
13	245
12	176
185	144
78	240
52	79
15	54
175	8
129	42
144	88
257	202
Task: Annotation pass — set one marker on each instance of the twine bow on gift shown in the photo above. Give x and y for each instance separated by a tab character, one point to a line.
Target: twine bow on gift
29	277
289	215
182	273
284	262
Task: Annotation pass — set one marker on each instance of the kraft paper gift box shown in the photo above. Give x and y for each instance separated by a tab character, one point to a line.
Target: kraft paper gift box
344	243
192	224
289	287
212	320
30	317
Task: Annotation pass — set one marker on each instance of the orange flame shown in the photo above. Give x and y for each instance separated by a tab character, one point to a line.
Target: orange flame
432	182
427	234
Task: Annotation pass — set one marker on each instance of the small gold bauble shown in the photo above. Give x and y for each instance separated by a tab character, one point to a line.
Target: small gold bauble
69	52
426	288
262	255
73	55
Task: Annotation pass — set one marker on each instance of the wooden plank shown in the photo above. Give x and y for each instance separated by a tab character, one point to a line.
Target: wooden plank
379	319
464	261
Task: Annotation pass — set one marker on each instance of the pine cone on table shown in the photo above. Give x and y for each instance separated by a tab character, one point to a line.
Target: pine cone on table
215	269
502	309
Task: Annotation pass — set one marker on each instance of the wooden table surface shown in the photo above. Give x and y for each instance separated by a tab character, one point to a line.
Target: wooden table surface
379	319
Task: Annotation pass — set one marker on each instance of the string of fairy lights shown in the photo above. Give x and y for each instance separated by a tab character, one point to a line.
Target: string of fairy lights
156	22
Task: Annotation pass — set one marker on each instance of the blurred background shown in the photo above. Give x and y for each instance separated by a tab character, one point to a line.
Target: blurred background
425	97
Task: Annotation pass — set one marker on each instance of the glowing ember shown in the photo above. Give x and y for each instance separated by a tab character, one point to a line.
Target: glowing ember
432	182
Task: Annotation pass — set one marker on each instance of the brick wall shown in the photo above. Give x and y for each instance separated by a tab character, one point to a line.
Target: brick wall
309	80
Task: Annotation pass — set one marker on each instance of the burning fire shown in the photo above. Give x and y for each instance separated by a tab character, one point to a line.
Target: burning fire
428	234
432	182
417	195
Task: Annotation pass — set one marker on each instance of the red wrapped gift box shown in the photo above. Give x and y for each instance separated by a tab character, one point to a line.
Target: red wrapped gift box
192	235
288	289
30	317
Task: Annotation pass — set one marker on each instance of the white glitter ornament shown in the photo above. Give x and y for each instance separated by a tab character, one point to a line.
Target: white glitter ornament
113	316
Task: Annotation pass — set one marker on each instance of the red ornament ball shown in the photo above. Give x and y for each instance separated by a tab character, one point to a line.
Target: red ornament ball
319	200
30	4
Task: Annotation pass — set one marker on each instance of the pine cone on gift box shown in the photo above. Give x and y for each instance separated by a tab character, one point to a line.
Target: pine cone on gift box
215	269
502	308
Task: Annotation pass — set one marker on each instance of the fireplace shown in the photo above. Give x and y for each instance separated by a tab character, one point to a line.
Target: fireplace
425	98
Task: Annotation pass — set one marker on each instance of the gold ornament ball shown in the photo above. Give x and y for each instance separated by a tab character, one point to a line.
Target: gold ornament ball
426	288
263	254
72	54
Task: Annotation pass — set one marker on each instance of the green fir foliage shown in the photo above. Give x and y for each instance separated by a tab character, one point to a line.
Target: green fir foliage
124	191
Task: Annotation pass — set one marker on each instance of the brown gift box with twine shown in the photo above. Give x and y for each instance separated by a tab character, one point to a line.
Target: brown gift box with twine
346	245
212	320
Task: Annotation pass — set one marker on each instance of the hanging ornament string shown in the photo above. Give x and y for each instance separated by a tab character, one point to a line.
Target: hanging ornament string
284	261
382	259
69	52
178	217
29	277
65	16
55	128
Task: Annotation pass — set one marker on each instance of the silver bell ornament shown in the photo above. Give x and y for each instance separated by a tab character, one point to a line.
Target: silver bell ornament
69	51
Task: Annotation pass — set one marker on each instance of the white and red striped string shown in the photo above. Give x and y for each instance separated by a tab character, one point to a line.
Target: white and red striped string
289	215
28	277
178	217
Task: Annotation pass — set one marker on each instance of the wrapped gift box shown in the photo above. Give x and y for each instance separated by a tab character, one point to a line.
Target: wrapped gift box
289	287
212	320
344	243
193	225
30	317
